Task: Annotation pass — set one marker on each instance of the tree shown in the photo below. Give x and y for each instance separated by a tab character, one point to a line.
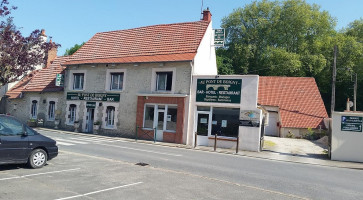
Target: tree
73	49
278	38
19	54
292	38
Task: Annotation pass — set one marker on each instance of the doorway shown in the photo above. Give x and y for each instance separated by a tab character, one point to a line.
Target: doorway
160	115
203	127
89	120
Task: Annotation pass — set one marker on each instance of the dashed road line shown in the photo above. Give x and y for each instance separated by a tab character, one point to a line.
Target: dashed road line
149	151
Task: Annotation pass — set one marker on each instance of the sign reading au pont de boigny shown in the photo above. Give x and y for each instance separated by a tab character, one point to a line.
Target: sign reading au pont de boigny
219	90
93	96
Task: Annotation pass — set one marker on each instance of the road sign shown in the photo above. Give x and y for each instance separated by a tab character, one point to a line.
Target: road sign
219	36
351	123
59	80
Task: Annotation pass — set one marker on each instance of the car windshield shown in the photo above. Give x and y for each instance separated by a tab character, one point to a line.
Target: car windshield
10	126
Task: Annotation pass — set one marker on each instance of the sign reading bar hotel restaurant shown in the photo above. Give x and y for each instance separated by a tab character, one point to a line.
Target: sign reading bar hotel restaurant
93	96
219	90
351	123
219	37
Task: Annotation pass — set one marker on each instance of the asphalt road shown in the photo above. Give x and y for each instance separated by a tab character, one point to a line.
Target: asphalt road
104	168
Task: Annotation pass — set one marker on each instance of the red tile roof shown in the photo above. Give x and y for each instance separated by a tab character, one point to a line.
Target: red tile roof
298	98
40	81
159	43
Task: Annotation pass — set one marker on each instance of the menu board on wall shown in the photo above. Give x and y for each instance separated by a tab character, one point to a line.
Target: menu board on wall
219	90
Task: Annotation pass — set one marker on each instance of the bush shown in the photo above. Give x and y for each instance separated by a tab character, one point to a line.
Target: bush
290	135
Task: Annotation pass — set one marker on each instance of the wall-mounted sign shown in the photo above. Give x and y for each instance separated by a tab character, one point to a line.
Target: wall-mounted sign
91	105
93	96
219	37
219	90
59	80
351	123
249	118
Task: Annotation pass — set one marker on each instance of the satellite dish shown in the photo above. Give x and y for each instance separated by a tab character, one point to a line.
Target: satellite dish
351	104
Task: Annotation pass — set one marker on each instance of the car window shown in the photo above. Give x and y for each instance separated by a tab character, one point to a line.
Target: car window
29	131
10	126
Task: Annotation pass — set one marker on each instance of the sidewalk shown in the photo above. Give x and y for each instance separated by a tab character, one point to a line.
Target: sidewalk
265	154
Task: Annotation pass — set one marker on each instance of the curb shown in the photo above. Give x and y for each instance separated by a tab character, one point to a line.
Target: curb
329	163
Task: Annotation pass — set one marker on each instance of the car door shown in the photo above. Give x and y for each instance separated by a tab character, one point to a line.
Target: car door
13	143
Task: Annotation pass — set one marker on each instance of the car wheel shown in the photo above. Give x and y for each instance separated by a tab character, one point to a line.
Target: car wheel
37	159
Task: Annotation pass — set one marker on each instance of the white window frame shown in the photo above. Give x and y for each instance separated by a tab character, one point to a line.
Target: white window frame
31	106
154	79
110	115
68	103
156	110
71	79
104	112
108	79
55	107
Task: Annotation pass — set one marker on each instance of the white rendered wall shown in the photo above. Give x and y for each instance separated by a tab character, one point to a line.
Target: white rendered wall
205	60
249	136
346	145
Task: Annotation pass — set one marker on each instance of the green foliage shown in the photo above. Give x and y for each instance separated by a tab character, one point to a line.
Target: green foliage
73	49
292	38
290	135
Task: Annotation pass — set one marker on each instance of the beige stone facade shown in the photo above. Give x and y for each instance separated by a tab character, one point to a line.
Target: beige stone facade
21	107
138	79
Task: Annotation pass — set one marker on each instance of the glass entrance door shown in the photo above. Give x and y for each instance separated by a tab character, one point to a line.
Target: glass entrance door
89	120
160	124
203	127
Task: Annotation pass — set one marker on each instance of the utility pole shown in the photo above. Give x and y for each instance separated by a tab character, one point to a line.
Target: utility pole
332	105
355	93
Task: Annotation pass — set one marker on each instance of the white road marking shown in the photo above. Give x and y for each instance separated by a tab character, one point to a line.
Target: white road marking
95	192
93	139
156	152
72	141
29	175
64	143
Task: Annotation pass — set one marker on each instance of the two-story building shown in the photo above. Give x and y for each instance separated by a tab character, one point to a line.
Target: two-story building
139	79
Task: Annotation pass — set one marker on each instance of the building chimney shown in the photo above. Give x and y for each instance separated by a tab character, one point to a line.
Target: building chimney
43	33
207	16
52	54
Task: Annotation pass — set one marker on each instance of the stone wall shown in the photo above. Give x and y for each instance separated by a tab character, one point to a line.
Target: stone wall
137	79
21	108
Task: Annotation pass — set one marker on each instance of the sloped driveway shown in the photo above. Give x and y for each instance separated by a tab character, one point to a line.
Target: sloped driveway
295	147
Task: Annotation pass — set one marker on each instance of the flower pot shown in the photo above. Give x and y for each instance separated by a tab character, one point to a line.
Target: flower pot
96	128
56	123
76	126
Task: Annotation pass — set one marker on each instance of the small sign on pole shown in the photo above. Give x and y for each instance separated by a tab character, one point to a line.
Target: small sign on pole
219	35
59	80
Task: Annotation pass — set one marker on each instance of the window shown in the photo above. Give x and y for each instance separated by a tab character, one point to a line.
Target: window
149	116
78	81
110	119
51	110
164	81
10	126
72	113
117	81
225	122
171	118
167	123
33	110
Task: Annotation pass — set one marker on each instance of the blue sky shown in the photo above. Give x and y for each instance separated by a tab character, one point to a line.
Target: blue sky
76	21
